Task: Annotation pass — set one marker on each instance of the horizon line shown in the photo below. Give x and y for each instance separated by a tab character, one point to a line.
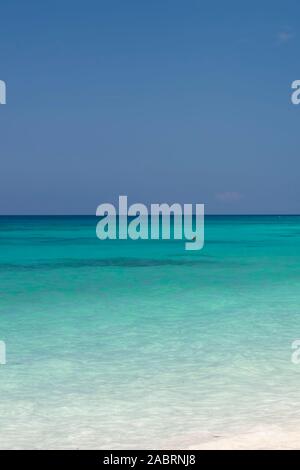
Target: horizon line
207	214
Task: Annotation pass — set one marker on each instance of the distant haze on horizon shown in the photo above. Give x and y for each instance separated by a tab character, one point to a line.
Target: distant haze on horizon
163	101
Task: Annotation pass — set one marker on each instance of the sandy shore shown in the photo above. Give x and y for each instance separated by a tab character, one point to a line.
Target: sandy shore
260	438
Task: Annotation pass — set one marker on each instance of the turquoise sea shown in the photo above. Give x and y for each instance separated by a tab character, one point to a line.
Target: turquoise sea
141	344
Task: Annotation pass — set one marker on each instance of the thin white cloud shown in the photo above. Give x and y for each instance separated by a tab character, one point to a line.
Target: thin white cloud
228	196
284	36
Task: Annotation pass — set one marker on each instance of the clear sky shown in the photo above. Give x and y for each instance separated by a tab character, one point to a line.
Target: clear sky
162	100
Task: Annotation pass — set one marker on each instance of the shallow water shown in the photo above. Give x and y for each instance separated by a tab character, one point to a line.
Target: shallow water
124	344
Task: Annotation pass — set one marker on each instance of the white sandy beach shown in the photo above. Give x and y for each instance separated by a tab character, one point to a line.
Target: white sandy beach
259	438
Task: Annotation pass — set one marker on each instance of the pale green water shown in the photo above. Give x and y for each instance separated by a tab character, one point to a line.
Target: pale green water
143	344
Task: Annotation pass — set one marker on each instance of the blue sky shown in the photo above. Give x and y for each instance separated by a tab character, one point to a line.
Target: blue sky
165	101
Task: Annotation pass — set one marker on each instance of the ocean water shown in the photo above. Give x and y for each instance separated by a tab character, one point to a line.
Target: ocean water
141	344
